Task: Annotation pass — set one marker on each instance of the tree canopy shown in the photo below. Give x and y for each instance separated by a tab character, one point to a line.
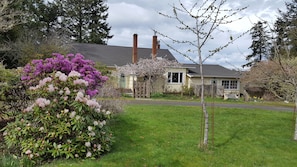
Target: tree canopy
85	20
260	44
286	29
27	25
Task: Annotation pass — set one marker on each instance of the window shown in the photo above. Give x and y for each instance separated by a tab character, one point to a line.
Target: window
225	84
233	84
229	84
175	77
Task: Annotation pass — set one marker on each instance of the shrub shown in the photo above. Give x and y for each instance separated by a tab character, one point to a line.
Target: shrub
188	91
62	122
12	94
39	69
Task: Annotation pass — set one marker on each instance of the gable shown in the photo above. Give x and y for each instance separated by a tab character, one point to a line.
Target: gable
115	55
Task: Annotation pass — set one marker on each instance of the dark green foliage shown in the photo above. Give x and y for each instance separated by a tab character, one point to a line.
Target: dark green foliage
13	97
260	44
30	45
62	122
286	31
85	20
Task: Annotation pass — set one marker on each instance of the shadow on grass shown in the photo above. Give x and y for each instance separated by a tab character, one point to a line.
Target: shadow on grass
235	135
123	129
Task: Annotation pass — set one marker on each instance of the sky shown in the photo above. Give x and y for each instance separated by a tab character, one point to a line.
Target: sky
128	17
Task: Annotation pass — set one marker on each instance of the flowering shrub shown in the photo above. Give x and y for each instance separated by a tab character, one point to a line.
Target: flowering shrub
62	122
39	69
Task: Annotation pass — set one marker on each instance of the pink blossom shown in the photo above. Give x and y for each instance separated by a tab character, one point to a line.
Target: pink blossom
58	73
74	74
31	156
87	144
28	152
96	123
99	147
92	134
67	91
93	104
65	110
102	123
80	82
42	102
72	114
44	81
79	97
34	87
89	154
28	109
51	88
98	110
63	77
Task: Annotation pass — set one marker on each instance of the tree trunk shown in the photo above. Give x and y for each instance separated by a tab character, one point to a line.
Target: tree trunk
295	131
205	113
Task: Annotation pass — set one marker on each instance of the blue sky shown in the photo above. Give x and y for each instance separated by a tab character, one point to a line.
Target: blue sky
127	17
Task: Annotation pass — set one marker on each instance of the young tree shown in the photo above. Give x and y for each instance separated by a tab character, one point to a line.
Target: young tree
85	20
207	17
260	44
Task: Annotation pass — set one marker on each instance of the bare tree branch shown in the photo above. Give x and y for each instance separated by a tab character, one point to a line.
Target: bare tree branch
207	18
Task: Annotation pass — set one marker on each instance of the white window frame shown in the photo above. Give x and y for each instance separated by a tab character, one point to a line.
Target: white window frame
179	77
230	84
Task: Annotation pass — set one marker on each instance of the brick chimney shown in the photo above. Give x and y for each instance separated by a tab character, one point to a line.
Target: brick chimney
134	49
154	47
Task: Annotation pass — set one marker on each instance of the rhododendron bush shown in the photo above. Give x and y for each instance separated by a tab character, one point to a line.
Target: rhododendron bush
39	69
64	119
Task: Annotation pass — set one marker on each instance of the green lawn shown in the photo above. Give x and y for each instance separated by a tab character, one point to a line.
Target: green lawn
169	136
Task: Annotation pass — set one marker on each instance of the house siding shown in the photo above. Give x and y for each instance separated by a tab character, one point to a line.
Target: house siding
175	87
193	81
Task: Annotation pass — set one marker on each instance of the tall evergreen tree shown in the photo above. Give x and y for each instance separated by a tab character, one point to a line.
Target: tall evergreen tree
260	44
85	20
286	30
42	16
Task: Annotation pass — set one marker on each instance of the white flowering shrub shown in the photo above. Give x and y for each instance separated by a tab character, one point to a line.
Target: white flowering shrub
62	122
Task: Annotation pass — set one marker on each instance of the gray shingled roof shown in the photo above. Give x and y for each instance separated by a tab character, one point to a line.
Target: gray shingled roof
115	55
120	55
211	70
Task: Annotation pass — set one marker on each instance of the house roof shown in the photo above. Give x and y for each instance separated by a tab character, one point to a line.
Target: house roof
210	70
115	55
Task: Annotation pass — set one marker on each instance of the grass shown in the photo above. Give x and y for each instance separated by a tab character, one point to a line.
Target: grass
178	97
169	136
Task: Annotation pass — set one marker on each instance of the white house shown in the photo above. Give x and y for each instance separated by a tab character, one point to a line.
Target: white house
175	78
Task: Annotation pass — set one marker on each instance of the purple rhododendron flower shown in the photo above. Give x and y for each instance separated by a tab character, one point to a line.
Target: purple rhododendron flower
71	62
